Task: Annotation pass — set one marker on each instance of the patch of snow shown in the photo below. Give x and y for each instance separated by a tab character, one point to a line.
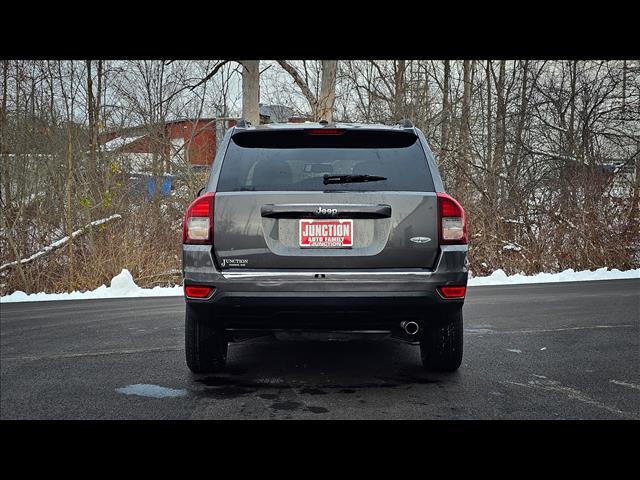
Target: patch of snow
512	246
147	390
511	220
119	142
500	278
123	285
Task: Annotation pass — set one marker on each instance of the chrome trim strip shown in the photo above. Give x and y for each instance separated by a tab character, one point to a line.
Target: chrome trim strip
306	330
312	274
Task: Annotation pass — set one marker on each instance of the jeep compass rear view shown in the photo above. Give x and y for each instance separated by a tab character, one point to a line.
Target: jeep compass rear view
318	227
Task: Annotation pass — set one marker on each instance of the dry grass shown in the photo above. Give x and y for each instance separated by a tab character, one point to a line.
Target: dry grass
150	250
592	230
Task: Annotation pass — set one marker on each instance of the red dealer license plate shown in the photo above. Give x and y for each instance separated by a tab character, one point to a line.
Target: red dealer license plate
326	233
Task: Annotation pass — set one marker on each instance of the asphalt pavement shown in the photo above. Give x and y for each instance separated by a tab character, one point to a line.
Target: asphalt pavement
546	351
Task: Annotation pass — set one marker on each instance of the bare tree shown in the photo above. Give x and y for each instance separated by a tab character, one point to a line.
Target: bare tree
399	93
446	112
324	109
251	91
543	154
321	104
93	113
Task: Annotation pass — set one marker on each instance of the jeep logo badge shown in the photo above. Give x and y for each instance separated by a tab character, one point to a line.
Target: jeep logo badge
327	211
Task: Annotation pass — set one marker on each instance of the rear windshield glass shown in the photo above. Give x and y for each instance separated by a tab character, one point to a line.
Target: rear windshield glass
299	160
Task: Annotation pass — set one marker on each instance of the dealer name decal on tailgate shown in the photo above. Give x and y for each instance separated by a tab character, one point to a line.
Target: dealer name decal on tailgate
326	233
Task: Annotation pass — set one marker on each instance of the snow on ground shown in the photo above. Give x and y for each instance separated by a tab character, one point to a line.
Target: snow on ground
500	278
512	246
148	390
119	142
123	286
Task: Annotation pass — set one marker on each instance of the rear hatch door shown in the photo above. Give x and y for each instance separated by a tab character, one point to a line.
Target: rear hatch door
303	199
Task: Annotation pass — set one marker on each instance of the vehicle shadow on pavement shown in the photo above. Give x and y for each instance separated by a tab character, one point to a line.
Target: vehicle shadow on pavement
320	365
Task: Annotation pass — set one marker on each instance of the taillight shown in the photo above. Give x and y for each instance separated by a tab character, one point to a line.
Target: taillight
197	291
453	292
197	225
325	131
452	222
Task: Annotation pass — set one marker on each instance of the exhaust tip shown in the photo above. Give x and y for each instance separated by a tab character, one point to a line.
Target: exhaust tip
410	328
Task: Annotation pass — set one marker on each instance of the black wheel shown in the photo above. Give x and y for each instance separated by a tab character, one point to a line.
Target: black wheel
205	346
441	346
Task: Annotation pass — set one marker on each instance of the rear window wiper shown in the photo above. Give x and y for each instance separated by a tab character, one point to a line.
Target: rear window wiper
329	179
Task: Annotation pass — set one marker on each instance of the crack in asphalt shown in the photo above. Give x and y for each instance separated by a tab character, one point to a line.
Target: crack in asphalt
128	351
486	331
572	393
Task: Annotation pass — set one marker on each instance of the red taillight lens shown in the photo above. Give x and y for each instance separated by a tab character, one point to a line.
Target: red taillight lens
452	221
325	131
453	292
194	291
197	225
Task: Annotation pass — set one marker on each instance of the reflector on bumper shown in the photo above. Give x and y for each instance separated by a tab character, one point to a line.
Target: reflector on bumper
196	291
452	292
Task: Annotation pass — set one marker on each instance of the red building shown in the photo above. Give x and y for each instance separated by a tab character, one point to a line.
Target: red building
191	140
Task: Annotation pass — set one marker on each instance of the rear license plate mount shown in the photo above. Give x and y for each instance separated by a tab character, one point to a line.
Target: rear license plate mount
334	233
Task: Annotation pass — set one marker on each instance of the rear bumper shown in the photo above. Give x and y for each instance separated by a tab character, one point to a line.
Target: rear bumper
267	293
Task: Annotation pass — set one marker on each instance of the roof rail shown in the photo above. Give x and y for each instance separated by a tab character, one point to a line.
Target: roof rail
405	123
242	123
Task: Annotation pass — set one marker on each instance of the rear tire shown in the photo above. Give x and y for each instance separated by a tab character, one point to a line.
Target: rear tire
205	345
441	346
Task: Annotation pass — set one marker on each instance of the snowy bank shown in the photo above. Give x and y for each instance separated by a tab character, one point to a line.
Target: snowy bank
500	278
123	286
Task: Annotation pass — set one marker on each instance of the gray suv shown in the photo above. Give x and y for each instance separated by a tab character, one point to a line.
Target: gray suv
324	227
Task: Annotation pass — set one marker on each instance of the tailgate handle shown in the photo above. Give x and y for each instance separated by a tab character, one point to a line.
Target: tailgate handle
325	211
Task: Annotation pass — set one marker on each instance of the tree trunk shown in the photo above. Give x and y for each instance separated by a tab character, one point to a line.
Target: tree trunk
327	90
92	122
465	121
446	113
501	136
3	105
95	133
69	206
488	148
572	110
464	141
399	100
8	206
522	118
427	98
251	91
